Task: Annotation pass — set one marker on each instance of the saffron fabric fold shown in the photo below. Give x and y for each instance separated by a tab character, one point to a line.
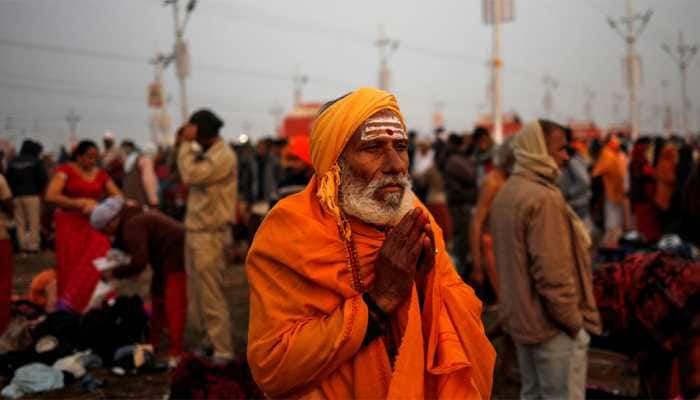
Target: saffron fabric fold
307	320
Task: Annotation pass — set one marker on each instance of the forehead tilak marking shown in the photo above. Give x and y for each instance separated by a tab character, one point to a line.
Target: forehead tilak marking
383	127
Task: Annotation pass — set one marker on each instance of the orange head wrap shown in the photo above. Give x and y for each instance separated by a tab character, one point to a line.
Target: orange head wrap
298	147
331	132
614	143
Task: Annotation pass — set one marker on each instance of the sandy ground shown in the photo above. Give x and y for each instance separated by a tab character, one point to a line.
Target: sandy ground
606	370
155	386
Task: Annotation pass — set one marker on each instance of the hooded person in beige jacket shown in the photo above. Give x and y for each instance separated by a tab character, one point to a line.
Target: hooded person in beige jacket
544	271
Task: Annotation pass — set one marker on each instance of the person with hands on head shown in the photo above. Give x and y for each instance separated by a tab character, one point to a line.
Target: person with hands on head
352	292
76	187
207	165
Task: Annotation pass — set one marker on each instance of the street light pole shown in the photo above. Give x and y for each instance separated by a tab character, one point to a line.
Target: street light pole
632	62
182	57
276	112
387	47
496	13
496	71
632	68
682	58
550	84
588	107
299	81
179	45
72	119
160	121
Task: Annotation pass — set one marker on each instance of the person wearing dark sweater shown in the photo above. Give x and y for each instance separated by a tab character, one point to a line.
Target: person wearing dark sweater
460	175
150	237
27	178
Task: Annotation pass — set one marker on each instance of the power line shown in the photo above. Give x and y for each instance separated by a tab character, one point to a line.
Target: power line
74	51
70	92
284	23
112	56
266	75
226	103
53	81
319	30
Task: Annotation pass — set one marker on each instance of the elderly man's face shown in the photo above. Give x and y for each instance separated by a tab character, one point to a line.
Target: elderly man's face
375	156
374	168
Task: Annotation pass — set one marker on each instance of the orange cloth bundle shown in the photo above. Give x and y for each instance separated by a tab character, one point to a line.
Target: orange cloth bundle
40	284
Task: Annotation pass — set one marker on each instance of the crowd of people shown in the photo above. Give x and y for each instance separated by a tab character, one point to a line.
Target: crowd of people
335	240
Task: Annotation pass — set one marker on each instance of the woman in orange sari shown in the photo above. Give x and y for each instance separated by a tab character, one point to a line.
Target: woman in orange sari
481	242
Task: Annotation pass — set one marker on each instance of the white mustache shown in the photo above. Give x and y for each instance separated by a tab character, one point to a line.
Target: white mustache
401	180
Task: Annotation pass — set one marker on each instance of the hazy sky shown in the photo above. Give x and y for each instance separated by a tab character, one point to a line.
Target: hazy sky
92	56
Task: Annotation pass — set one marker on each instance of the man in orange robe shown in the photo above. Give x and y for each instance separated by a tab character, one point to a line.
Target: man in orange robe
353	294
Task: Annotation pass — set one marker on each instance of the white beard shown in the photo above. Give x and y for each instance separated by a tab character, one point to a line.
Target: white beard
358	199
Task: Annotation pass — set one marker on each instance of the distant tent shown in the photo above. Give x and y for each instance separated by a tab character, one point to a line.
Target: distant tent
511	123
299	120
585	131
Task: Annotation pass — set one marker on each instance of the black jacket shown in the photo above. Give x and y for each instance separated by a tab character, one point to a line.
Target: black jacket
26	176
460	180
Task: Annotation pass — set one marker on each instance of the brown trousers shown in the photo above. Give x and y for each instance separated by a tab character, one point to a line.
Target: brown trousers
27	217
205	263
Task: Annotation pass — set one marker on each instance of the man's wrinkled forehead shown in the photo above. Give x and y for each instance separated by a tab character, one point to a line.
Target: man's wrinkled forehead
382	125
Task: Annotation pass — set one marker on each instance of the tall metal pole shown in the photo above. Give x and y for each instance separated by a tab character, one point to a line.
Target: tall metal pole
299	81
386	48
666	110
72	119
632	68
632	61
496	73
179	48
588	106
684	99
550	84
438	117
163	135
276	112
617	100
682	58
181	54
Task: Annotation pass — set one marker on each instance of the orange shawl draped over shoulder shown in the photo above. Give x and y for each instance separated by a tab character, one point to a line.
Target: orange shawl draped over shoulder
307	322
307	317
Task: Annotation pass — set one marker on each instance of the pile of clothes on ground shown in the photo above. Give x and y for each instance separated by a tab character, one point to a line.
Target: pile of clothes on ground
649	301
41	352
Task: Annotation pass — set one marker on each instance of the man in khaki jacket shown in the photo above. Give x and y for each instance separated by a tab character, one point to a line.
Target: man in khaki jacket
544	270
208	168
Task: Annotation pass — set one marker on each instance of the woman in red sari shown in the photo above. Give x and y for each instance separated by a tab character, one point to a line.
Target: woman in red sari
76	187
